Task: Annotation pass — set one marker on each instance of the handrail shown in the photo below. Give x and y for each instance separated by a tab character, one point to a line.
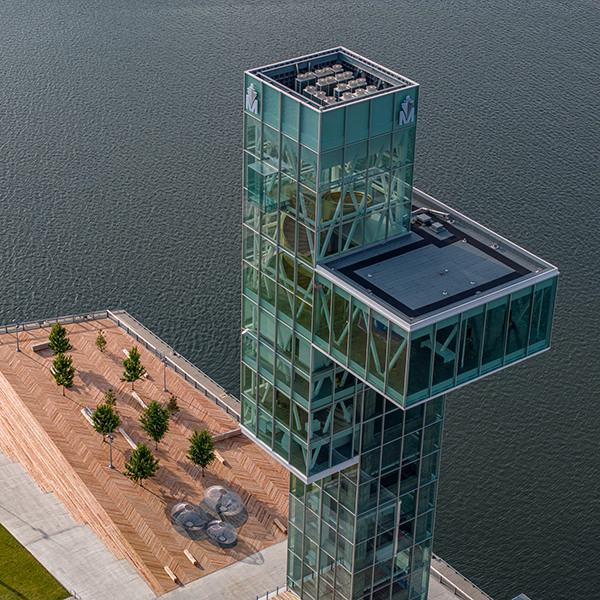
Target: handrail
273	594
452	586
187	374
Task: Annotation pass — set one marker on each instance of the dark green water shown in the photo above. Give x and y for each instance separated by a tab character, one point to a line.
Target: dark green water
120	167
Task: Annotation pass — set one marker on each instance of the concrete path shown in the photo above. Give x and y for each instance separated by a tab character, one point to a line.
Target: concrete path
79	560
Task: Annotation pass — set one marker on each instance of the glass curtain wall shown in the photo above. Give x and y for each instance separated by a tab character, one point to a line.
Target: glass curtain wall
366	531
411	368
340	178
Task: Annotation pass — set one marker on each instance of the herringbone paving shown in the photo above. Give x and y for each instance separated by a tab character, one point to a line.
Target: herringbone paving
48	434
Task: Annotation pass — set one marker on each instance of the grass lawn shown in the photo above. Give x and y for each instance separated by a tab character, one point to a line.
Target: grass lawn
22	577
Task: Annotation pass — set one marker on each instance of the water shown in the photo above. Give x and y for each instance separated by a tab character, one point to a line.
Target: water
120	166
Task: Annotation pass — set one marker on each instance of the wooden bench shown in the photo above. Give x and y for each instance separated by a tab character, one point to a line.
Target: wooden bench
87	412
39	346
127	438
126	353
226	435
142	403
219	458
281	526
191	557
171	574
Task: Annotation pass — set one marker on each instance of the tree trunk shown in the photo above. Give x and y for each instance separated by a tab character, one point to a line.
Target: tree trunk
63	390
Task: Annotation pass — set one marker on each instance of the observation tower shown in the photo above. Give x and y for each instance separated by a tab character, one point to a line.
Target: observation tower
365	301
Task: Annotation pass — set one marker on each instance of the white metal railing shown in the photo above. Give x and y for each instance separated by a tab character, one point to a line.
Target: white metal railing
451	585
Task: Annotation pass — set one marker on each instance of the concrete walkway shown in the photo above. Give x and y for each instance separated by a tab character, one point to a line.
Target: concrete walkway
77	558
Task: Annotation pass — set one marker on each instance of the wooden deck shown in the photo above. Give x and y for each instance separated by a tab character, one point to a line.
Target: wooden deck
50	436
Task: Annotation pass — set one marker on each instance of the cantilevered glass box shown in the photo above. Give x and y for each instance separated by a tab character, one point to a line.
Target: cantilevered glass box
364	302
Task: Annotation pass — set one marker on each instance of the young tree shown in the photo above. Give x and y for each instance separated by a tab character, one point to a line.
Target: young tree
101	341
105	419
133	369
63	371
172	406
141	464
58	341
155	421
110	398
202	449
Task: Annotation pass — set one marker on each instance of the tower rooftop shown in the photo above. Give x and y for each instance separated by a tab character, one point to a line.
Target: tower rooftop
363	77
446	263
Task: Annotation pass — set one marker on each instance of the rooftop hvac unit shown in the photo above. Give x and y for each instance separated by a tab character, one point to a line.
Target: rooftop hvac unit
310	91
322	84
371	89
311	76
319	97
347	96
301	82
337	68
340	89
352	84
329	101
331	82
320	73
328	71
360	92
361	81
348	75
340	77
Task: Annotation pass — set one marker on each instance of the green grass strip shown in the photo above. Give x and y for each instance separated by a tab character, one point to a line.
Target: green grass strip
22	577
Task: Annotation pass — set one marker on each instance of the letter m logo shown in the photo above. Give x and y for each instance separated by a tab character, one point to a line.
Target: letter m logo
252	99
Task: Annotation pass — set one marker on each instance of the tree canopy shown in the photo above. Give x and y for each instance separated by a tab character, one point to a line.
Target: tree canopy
110	398
202	449
63	371
101	341
155	421
141	464
172	405
58	341
105	419
133	369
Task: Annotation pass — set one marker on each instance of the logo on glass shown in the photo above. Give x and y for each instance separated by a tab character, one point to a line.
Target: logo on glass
252	99
407	111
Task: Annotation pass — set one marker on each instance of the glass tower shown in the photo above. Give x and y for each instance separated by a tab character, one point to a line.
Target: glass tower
364	302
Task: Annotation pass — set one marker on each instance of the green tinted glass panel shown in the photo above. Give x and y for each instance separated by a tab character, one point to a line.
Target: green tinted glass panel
543	308
289	157
289	116
469	347
357	121
322	316
355	161
309	127
444	358
519	318
495	334
378	337
308	167
403	147
379	154
332	129
382	114
419	371
339	334
358	337
331	168
252	135
397	362
270	109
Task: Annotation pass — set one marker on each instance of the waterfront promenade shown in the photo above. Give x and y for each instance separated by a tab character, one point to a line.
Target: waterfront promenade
58	447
